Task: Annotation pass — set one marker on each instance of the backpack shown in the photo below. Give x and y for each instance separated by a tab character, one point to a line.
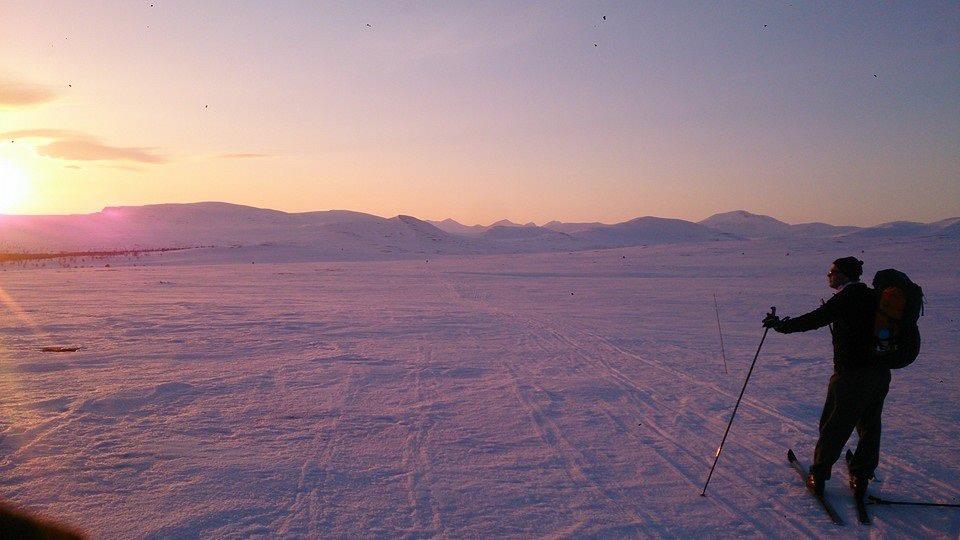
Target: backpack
896	337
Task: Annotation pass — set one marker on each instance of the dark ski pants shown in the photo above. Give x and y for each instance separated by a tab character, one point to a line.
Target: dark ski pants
854	400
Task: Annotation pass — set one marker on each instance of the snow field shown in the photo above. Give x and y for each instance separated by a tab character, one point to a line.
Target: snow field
562	394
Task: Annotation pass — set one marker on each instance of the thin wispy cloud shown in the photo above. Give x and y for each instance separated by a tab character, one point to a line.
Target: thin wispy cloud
18	94
78	146
85	150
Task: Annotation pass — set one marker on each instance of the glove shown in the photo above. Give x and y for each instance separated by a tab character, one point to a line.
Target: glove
780	327
771	321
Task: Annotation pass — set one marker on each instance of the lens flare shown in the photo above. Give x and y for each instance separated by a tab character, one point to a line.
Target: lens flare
14	186
14	308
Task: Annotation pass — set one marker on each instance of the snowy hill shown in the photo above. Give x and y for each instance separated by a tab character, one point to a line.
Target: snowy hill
501	232
952	230
508	223
650	230
948	223
454	227
570	228
817	229
218	224
343	234
747	225
527	239
900	229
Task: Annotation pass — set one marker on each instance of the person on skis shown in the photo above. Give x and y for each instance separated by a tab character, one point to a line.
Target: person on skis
857	387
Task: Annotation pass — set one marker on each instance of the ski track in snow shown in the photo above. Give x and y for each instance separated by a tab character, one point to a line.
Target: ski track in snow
648	409
562	394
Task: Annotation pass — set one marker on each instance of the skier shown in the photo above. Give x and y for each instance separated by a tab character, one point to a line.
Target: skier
857	387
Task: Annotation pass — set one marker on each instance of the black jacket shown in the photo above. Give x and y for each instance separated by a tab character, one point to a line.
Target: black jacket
851	311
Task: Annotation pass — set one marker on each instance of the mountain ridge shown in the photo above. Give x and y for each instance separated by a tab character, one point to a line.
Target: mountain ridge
213	223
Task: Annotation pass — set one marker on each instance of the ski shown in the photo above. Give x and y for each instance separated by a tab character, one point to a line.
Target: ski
877	500
824	503
862	516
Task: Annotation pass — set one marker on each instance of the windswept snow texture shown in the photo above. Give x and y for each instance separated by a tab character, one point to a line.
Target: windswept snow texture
560	394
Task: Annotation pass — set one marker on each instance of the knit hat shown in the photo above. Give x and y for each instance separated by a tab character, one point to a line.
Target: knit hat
851	267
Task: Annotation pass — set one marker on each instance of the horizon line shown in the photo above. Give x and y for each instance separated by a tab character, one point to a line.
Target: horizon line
519	223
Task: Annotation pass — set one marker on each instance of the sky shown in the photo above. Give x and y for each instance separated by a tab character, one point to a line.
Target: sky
843	112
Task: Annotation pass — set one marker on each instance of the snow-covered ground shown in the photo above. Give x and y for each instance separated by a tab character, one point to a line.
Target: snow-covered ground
561	394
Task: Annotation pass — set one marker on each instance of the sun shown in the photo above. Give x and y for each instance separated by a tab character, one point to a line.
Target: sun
14	186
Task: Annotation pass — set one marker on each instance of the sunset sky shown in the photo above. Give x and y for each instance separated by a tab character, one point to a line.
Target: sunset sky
843	112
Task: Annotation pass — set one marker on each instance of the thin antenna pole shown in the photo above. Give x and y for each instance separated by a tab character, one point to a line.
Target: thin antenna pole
723	353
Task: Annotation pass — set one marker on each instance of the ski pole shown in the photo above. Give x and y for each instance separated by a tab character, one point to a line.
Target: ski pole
877	500
719	331
773	311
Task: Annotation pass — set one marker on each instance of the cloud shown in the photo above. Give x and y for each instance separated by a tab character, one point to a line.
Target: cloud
242	156
16	94
77	146
86	150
